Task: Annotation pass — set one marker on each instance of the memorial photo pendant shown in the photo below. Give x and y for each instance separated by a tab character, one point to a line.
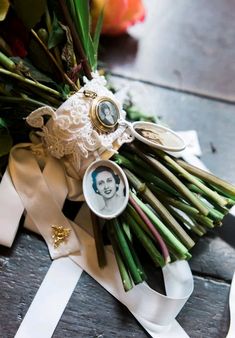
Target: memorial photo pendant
157	136
104	114
105	189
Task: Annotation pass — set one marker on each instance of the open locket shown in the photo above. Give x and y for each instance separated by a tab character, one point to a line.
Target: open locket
157	136
105	117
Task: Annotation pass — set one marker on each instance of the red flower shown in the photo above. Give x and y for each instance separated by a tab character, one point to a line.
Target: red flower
15	34
118	14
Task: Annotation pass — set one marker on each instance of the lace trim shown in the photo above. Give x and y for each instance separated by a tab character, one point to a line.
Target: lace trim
70	132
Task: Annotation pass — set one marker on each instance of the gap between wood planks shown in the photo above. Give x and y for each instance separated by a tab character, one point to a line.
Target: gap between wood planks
175	89
211	277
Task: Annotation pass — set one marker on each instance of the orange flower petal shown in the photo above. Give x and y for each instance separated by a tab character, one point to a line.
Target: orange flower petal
118	14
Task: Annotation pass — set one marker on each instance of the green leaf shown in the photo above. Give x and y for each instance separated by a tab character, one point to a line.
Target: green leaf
4	6
64	90
134	114
26	67
83	20
39	58
56	35
91	53
93	45
98	28
80	13
5	142
2	123
30	11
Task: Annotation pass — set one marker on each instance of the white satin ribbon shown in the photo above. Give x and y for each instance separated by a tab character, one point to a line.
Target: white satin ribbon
11	211
51	299
155	312
38	200
192	150
42	195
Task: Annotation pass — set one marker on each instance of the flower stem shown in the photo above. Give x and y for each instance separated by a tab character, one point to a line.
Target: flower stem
135	257
194	227
126	280
6	49
76	40
209	178
46	97
124	248
30	82
7	62
144	173
189	210
21	100
174	205
144	240
173	179
63	75
213	194
164	231
132	212
98	241
217	208
152	228
160	209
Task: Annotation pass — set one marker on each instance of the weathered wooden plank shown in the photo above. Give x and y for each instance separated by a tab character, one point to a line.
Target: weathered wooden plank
214	254
206	314
183	44
92	312
22	269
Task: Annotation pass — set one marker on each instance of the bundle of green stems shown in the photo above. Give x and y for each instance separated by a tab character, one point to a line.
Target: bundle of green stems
171	205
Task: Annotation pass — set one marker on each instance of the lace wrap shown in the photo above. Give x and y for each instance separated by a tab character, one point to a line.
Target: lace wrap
69	133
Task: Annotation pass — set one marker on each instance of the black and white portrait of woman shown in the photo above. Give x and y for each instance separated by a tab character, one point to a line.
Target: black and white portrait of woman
108	113
106	184
105	189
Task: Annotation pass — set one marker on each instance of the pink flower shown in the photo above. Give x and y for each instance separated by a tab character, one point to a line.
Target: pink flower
118	14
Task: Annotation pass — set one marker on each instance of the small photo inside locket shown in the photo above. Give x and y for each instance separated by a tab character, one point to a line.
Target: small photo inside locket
106	189
158	136
107	113
150	135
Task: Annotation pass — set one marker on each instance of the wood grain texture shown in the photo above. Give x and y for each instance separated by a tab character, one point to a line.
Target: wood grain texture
92	312
206	313
183	44
187	46
214	254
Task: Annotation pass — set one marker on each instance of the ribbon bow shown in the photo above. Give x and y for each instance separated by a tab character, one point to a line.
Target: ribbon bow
37	184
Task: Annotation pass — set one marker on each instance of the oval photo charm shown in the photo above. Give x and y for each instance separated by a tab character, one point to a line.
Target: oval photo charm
104	114
105	188
157	136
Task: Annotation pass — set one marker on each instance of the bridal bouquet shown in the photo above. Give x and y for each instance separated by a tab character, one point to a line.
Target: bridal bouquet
65	135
